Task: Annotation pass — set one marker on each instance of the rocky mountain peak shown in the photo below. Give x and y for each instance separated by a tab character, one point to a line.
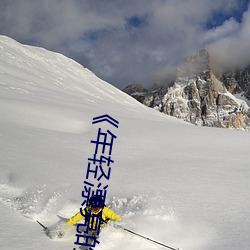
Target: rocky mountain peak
200	96
196	64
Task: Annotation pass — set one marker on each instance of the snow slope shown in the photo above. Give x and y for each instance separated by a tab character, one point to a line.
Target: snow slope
176	183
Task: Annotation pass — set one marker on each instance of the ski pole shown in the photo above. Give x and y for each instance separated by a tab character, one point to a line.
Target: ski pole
125	229
45	228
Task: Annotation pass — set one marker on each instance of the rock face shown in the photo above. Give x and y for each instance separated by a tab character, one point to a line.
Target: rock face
237	81
200	97
137	91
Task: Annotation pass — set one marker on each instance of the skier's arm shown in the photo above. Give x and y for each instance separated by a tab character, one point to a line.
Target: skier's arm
110	214
77	217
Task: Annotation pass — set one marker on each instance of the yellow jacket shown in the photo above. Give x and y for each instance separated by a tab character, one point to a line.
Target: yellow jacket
107	214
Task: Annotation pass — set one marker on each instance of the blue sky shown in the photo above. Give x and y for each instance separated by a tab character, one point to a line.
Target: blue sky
131	41
218	17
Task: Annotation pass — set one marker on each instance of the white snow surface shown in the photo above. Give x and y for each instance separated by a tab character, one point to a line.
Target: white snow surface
182	185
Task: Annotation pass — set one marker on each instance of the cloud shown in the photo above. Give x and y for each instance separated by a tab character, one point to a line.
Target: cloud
121	41
232	50
228	28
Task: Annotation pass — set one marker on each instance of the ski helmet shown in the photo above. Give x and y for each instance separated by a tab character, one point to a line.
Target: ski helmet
96	201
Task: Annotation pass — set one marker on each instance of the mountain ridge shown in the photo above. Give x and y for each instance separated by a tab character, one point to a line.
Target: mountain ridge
200	95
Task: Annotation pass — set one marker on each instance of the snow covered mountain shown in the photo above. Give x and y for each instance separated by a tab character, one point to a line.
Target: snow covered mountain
182	185
202	97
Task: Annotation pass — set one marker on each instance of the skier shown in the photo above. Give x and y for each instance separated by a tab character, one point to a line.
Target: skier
95	214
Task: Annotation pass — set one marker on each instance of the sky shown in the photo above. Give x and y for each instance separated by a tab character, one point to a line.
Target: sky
132	41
